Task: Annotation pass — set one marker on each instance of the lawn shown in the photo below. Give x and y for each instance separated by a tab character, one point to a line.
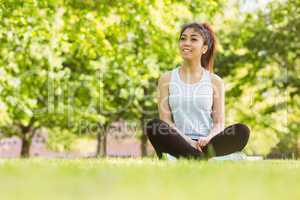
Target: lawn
148	179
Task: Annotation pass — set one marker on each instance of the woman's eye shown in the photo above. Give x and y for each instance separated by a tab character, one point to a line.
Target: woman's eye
182	38
194	39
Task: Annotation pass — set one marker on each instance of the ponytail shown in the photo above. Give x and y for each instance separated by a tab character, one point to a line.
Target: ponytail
207	59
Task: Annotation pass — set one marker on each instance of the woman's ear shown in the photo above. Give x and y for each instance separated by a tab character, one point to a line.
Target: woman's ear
204	49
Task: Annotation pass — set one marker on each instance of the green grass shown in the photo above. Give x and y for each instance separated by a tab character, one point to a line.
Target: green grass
148	179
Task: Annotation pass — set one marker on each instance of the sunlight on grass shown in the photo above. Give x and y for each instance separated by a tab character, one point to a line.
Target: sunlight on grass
116	178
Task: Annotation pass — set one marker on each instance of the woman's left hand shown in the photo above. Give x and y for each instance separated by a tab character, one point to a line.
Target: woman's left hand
203	141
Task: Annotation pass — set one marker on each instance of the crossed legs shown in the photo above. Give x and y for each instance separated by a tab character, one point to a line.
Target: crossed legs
165	139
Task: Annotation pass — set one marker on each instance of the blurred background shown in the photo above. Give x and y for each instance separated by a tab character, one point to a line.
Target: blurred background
78	78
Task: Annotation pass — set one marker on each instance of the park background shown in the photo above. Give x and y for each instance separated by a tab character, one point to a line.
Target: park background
76	70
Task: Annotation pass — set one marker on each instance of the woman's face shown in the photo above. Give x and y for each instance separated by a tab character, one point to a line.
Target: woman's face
191	44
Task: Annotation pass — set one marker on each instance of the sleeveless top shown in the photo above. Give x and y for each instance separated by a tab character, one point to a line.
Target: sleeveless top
191	104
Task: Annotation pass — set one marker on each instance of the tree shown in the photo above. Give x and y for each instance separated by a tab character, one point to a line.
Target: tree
46	81
263	54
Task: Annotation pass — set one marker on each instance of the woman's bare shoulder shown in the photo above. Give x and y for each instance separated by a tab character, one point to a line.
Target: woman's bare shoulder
216	80
165	77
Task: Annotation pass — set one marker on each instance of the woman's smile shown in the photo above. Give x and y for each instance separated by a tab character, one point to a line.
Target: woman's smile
187	50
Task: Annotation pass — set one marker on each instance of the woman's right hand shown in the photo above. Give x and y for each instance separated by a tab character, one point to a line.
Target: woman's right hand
198	146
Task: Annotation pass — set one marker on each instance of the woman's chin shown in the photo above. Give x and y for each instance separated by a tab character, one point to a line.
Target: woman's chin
187	57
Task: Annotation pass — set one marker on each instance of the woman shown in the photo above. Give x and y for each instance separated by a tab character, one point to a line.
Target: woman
191	103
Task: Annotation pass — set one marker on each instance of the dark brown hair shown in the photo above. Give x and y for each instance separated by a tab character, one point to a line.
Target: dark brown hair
207	59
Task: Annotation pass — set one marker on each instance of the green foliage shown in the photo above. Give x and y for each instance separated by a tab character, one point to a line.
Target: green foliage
83	64
262	51
60	139
80	65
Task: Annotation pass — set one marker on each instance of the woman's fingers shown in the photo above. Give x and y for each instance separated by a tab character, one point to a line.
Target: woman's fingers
202	142
199	147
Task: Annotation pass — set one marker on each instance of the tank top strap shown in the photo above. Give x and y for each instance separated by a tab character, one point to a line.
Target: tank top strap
174	77
207	76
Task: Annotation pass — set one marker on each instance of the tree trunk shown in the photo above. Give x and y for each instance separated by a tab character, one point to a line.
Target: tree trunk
298	148
99	142
25	147
27	134
104	144
143	138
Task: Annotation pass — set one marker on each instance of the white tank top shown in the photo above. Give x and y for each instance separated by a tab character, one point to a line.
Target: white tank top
191	104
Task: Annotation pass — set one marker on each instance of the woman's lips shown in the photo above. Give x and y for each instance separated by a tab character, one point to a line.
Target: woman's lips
187	51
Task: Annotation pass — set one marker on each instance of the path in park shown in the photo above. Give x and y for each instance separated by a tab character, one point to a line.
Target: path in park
116	147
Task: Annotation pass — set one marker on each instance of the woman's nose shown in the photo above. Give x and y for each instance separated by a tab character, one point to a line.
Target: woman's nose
187	42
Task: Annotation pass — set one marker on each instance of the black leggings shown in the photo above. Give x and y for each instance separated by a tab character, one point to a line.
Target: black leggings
165	139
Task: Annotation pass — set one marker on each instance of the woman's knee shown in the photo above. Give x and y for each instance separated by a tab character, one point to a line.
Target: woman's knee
242	128
155	126
243	131
151	126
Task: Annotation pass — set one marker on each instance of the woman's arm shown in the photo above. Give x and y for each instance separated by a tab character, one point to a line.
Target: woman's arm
164	108
218	114
218	109
163	102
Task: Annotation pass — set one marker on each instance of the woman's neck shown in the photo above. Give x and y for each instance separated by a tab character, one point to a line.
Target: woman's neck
191	67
